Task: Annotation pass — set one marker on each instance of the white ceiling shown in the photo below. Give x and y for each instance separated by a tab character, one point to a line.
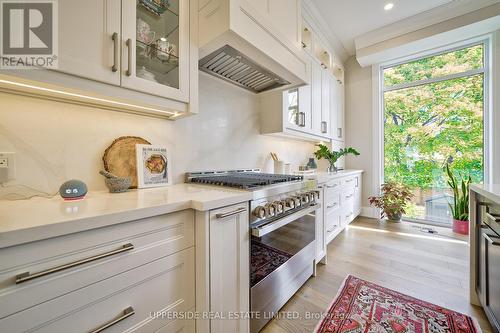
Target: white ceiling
348	19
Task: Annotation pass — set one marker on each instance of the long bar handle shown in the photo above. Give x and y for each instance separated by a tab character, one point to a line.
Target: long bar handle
493	218
324	127
114	37
491	241
339	130
125	314
129	46
27	276
234	212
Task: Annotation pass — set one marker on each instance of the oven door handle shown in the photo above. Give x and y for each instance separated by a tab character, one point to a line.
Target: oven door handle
270	227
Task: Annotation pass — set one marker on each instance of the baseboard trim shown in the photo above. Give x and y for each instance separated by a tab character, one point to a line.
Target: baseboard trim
370	212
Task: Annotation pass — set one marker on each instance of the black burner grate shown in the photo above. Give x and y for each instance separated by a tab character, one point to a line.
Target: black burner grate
246	180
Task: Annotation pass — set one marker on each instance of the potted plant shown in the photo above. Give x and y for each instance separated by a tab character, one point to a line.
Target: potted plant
460	207
333	156
392	201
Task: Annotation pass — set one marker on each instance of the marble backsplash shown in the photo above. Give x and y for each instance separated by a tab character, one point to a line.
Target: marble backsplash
55	141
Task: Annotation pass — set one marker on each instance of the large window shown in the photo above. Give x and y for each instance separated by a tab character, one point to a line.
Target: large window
433	115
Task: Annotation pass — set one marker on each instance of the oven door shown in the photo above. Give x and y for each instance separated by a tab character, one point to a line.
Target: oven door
281	260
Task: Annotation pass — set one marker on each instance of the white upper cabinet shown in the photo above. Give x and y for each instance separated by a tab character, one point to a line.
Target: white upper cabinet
326	105
90	50
338	111
127	55
155	49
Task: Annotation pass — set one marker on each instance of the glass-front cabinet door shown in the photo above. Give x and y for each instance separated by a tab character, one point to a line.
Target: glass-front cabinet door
155	49
298	108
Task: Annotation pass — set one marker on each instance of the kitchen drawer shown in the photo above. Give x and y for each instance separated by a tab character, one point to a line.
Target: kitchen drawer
332	202
347	215
179	326
348	196
332	225
165	285
332	186
349	182
102	252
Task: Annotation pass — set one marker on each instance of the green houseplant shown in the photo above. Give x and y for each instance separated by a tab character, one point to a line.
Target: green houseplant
333	156
392	201
460	206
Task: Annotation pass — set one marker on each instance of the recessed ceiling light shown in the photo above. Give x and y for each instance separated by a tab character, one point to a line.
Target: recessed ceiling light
388	6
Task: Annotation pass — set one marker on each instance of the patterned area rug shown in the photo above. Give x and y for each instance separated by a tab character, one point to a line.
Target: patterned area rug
364	307
265	259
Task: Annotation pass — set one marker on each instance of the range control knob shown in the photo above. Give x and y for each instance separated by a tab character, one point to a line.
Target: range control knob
290	203
298	201
259	212
279	207
304	197
271	210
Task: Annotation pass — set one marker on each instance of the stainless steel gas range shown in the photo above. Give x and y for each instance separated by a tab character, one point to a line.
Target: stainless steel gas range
282	228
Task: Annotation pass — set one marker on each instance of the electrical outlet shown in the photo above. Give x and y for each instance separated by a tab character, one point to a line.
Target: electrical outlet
7	167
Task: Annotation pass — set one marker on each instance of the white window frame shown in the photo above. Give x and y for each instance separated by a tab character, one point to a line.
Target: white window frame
378	90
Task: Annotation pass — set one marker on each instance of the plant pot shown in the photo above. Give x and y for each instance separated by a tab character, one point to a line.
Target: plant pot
331	168
461	227
394	218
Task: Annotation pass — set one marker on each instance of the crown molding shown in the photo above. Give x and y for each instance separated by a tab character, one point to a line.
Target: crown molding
420	21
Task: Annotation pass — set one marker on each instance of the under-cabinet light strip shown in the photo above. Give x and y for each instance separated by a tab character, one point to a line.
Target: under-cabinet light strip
174	114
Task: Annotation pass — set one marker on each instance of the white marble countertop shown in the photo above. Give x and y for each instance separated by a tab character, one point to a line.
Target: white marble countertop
39	218
491	191
323	177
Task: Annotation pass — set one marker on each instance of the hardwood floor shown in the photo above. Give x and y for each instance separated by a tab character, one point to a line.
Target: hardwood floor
427	266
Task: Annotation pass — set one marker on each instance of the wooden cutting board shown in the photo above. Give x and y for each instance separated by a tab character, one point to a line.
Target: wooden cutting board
120	157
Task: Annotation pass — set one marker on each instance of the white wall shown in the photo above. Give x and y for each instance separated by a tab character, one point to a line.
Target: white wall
55	141
359	125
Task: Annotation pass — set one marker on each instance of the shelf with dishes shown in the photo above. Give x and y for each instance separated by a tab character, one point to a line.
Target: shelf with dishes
156	63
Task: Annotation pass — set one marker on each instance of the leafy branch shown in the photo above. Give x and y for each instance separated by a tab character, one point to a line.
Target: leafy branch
333	156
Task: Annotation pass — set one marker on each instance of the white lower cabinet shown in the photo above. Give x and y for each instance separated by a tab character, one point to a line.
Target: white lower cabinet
341	204
229	268
116	277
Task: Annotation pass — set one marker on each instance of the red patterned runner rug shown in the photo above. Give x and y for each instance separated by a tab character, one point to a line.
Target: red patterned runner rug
365	307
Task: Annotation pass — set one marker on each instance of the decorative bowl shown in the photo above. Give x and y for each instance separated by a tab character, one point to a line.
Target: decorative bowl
118	185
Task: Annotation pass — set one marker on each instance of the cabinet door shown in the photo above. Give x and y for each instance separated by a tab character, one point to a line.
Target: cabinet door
320	230
326	84
316	93
229	267
492	277
155	48
89	39
340	112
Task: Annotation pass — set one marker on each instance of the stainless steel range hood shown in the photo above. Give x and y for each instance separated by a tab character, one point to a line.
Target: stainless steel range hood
231	65
238	44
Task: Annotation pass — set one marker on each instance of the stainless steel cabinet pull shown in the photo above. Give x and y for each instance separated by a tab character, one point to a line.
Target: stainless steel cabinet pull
349	196
339	130
349	180
125	314
27	276
332	186
114	37
493	218
129	46
332	205
324	127
234	212
491	241
301	119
